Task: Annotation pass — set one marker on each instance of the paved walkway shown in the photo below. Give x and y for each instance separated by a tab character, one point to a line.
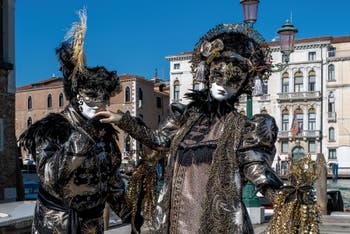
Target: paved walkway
338	223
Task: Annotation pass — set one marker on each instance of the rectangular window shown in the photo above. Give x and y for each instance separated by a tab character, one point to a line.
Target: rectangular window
312	121
332	154
1	135
284	147
312	56
176	66
176	92
312	81
285	122
312	146
285	85
331	52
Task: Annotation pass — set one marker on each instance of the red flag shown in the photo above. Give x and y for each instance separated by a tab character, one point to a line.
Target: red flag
295	126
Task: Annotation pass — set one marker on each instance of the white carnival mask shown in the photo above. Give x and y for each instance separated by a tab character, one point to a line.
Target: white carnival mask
221	93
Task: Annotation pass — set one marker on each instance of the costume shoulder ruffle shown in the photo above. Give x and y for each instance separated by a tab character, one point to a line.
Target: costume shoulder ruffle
54	127
260	130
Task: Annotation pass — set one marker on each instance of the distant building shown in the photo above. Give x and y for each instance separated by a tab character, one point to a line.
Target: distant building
313	88
146	99
8	149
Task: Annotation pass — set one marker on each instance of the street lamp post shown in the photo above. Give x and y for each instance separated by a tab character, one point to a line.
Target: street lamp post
287	35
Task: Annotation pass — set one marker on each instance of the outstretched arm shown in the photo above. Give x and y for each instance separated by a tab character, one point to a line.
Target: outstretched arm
159	139
256	156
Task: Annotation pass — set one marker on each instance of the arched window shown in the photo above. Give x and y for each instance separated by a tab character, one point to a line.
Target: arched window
49	100
331	72
29	103
60	100
285	120
127	94
297	153
331	134
312	119
298	81
331	102
312	80
176	90
285	82
29	121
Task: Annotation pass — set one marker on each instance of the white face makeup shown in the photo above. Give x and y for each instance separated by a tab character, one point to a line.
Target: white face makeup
221	93
89	112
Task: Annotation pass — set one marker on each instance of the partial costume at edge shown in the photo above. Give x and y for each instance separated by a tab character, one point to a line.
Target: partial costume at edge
212	150
77	157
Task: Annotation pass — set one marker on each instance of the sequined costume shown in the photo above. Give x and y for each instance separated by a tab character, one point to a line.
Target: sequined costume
78	173
209	159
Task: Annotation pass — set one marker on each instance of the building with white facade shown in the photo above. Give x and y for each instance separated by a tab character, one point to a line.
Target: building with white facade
312	89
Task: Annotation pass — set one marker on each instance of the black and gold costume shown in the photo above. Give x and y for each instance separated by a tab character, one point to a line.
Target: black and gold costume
77	164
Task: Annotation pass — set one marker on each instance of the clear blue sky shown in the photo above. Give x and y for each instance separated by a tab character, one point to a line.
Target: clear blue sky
134	36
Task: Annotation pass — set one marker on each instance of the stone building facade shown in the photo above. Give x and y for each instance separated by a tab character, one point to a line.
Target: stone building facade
312	89
8	150
146	99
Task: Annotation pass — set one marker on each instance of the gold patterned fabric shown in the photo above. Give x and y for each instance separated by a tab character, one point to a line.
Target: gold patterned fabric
202	191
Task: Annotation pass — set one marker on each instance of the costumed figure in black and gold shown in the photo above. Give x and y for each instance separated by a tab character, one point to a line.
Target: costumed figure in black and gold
212	150
77	157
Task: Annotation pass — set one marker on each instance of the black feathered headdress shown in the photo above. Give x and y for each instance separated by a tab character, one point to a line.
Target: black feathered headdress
77	76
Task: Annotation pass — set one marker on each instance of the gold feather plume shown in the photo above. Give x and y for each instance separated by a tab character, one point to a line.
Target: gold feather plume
77	34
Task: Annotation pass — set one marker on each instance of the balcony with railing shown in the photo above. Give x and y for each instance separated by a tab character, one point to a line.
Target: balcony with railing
304	134
332	116
299	96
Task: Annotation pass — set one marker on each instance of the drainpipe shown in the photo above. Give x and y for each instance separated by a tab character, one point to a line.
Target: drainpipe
321	136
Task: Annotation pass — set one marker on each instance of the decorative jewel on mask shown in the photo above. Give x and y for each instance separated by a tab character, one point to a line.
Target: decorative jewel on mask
258	89
210	50
92	101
